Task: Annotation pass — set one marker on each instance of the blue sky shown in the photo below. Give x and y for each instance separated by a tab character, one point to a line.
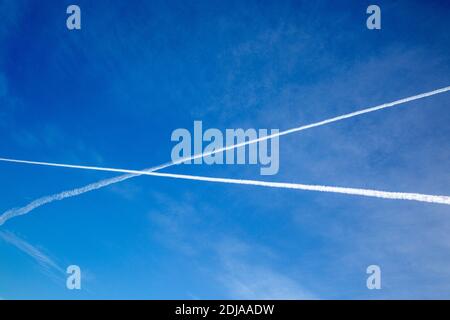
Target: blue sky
111	94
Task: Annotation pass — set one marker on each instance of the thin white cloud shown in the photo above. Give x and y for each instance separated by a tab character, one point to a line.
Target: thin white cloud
254	283
245	277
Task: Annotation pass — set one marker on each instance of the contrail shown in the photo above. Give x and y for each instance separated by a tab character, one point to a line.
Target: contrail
42	259
352	191
308	126
103	183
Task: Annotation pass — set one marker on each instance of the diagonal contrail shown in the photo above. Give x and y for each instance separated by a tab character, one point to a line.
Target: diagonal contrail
103	183
42	259
352	191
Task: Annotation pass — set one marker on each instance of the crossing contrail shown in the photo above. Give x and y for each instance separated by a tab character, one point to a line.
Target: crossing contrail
106	182
352	191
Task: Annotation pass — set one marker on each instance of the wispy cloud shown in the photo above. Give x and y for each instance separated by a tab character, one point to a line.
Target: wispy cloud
254	280
242	269
250	282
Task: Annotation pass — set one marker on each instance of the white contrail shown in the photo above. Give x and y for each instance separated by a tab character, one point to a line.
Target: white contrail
309	126
353	191
103	183
14	212
42	259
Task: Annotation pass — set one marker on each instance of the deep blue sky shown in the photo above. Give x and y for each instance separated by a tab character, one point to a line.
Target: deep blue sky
112	93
